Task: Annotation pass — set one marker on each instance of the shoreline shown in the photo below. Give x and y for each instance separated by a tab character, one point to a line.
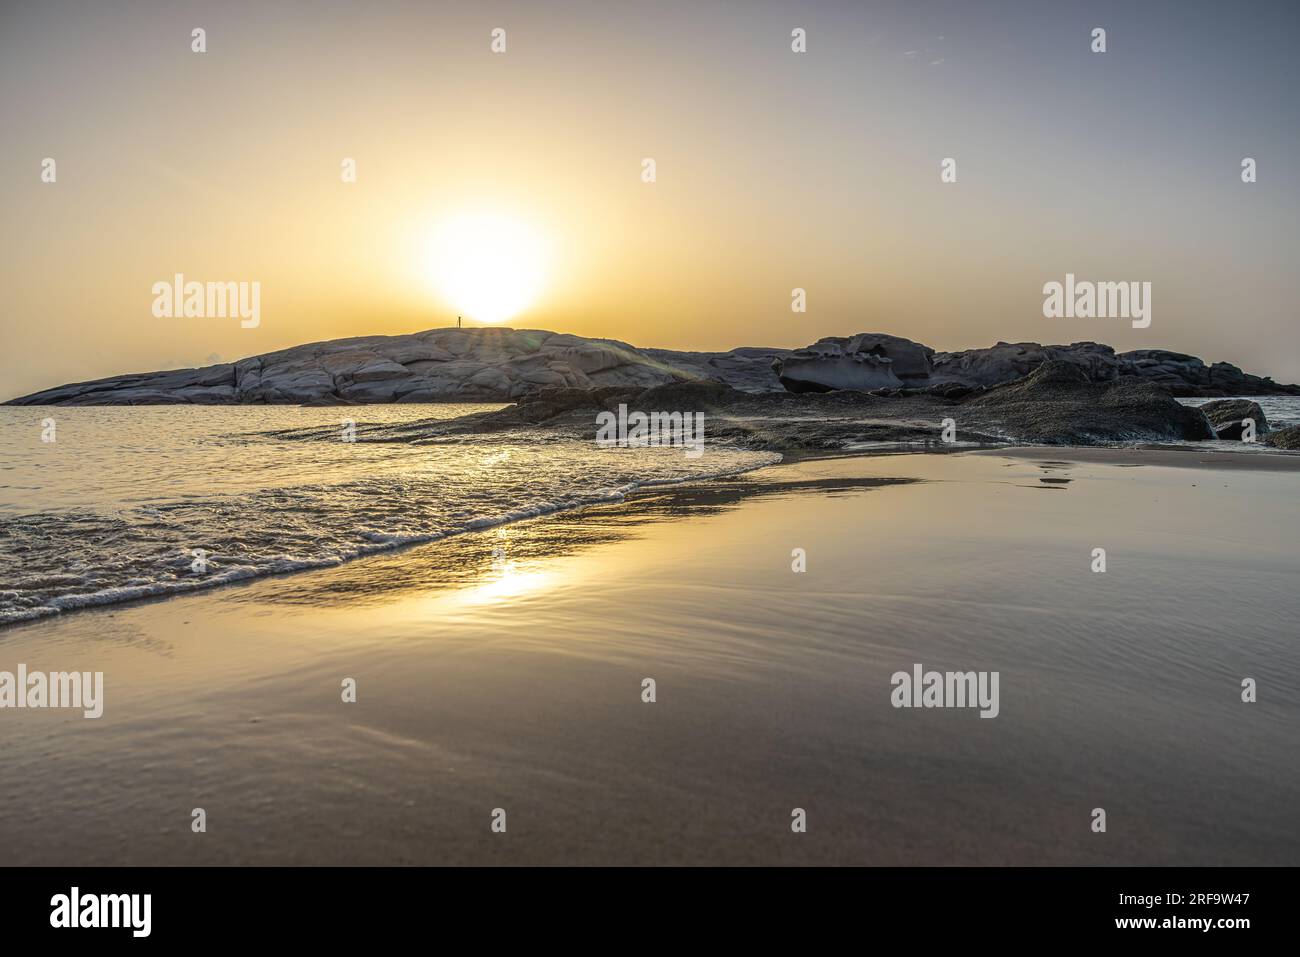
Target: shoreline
1129	456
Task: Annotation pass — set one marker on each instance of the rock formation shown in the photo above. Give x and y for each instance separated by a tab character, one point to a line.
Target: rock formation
864	363
504	365
1228	417
1057	404
839	364
434	366
1288	439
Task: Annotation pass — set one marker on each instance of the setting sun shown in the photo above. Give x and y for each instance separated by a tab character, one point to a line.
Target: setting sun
487	267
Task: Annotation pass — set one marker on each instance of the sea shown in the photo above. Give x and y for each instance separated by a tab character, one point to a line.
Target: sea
100	505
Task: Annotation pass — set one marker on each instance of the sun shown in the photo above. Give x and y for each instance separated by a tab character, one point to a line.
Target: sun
487	267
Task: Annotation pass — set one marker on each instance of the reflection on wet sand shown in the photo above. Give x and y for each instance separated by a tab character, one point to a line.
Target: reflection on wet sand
501	560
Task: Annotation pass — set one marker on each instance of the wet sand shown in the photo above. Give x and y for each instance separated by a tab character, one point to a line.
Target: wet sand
1165	456
504	669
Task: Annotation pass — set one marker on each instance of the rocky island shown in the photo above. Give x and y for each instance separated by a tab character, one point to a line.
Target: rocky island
836	391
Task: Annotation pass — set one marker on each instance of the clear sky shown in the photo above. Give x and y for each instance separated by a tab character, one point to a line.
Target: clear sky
774	170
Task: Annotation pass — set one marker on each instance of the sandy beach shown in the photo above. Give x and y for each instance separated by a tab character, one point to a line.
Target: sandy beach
504	669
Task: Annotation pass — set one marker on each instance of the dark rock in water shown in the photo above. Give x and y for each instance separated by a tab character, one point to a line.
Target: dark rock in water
1288	438
866	362
1056	404
1233	431
1227	417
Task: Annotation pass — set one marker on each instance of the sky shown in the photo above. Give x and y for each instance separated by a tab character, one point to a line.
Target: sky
774	170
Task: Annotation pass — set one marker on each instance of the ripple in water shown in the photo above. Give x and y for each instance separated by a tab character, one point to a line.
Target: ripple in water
135	502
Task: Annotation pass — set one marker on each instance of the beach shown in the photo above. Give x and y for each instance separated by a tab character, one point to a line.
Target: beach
504	670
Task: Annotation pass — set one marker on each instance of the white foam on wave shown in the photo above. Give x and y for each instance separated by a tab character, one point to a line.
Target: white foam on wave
372	542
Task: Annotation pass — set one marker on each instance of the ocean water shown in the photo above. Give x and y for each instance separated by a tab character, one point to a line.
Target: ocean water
1280	410
128	503
134	502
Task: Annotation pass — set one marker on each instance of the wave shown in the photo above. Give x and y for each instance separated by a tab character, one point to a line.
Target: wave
81	559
